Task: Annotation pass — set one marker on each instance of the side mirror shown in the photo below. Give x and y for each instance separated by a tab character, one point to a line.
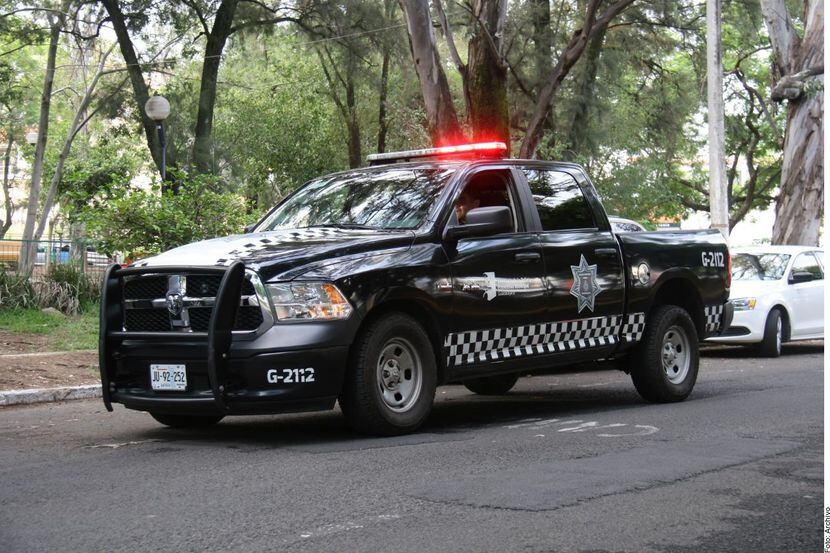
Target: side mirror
482	221
798	277
249	228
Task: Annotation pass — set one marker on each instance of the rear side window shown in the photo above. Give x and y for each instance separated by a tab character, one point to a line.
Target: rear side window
559	199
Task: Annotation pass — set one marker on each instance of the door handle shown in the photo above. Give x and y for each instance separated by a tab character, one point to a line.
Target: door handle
527	257
605	251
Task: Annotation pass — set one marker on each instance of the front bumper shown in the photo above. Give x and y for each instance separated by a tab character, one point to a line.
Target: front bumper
747	327
224	376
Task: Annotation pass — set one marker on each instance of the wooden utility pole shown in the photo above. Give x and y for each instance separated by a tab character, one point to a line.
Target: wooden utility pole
718	206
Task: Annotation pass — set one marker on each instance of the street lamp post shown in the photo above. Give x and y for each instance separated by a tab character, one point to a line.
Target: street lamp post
157	108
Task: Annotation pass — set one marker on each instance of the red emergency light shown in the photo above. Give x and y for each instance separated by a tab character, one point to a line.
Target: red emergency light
494	150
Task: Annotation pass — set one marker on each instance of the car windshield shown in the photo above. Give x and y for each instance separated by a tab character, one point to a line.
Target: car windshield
391	199
761	266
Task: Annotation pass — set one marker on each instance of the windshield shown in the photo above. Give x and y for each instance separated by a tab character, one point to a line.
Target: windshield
391	199
762	266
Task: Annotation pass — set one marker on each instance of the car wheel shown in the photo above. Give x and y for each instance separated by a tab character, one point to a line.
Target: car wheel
492	385
390	383
665	364
187	421
771	345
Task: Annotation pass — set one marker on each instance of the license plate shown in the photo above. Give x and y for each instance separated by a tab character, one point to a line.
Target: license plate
168	377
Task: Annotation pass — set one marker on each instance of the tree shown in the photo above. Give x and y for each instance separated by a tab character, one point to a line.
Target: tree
797	60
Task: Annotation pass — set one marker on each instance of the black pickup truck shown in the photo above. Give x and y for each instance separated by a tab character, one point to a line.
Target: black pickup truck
373	286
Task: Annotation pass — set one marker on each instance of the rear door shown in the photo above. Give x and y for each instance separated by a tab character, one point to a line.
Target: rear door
583	262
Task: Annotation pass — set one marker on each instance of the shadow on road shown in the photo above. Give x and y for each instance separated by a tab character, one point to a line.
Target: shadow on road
734	352
455	413
451	418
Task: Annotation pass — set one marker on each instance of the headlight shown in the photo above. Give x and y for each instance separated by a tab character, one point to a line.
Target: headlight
308	301
743	304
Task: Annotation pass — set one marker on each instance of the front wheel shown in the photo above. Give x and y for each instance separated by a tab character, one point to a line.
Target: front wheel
390	383
771	345
187	421
665	364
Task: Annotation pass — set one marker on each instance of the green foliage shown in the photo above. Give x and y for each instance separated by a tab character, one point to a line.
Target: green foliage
65	288
142	222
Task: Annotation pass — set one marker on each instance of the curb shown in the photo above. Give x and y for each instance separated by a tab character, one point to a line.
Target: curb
43	395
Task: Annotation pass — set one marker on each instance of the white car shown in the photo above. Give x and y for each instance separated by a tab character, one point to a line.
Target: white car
620	224
778	295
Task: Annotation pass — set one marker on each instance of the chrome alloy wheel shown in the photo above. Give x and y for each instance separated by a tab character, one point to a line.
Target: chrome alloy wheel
399	374
676	354
779	333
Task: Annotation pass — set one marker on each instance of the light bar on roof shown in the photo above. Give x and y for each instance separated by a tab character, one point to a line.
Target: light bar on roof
483	149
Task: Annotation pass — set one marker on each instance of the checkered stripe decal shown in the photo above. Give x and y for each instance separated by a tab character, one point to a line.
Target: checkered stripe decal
713	317
633	328
479	346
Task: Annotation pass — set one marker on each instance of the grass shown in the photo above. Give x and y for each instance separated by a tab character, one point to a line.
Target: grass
65	332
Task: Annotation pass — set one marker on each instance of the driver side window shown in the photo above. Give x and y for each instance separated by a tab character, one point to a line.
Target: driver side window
486	189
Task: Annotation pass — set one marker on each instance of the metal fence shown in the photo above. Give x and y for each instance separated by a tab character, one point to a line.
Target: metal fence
82	254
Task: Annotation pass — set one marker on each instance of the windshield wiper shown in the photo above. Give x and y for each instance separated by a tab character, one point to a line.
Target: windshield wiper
343	225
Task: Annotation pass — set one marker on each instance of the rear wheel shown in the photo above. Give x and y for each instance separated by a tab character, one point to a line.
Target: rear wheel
492	385
187	421
390	384
665	364
771	345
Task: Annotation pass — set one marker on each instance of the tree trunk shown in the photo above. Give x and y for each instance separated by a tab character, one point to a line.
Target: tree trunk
28	248
487	75
203	141
578	135
352	124
542	42
78	122
800	206
442	119
141	91
9	209
383	127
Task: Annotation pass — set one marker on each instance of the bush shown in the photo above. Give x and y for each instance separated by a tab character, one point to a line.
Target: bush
65	288
146	222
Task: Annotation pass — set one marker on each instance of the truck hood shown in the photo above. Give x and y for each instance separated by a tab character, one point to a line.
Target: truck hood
274	252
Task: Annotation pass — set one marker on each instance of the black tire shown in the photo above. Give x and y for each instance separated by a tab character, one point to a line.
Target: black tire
770	346
373	399
187	421
492	385
660	378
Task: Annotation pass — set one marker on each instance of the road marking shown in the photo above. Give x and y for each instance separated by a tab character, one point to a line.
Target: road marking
117	445
645	430
337	528
579	425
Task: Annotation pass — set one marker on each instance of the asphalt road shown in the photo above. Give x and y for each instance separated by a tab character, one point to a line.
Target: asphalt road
563	463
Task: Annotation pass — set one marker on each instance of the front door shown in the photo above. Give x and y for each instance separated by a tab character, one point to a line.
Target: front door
498	281
808	298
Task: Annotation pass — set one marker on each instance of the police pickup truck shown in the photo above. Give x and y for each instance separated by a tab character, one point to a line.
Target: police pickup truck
375	285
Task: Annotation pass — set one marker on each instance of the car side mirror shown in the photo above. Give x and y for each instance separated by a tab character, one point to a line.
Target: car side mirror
249	228
482	221
798	277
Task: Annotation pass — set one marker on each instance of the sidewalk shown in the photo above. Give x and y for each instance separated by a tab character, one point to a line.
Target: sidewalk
35	377
44	395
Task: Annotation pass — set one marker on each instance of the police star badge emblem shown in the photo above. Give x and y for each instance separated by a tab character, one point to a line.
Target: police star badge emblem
585	287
